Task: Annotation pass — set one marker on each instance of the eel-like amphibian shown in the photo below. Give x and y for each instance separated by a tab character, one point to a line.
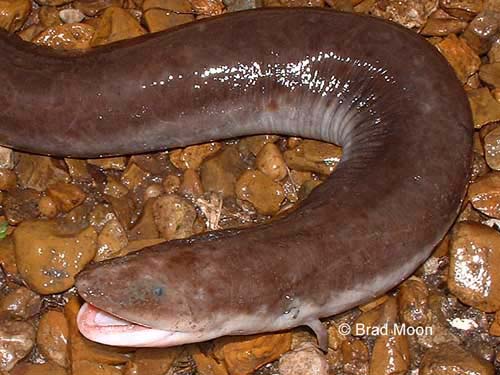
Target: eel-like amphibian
380	91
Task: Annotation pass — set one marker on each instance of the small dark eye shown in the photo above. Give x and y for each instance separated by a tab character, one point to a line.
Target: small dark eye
158	291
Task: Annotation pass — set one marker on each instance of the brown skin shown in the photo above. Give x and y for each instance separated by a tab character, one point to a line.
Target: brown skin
398	189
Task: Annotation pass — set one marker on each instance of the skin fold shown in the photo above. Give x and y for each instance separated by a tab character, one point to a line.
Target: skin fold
380	91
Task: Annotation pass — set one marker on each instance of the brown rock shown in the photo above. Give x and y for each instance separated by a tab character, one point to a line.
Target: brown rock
30	33
207	7
191	157
118	163
463	9
6	158
71	15
133	177
16	341
492	149
20	303
52	337
244	354
8	179
92	7
111	240
484	194
13	14
38	369
115	188
205	364
270	162
154	361
481	31
474	270
153	191
20	205
390	356
160	14
411	13
253	145
67	36
495	326
8	256
78	169
460	56
124	209
441	24
313	156
38	172
49	16
355	355
305	360
490	73
66	196
294	3
451	359
171	183
374	303
174	216
220	172
145	227
191	184
494	52
87	367
116	24
260	190
49	259
384	314
485	109
413	300
100	215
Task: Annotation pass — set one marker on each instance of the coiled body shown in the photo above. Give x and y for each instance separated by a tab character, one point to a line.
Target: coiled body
378	90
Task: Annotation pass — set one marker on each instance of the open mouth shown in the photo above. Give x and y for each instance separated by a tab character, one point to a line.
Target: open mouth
97	325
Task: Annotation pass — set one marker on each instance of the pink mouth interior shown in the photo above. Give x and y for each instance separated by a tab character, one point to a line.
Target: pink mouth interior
99	326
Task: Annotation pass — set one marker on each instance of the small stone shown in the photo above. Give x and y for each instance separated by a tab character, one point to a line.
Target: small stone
13	14
174	216
52	337
474	270
115	188
481	31
191	184
237	5
66	196
171	183
153	191
118	163
67	36
8	256
384	314
355	355
460	56
390	355
494	52
78	169
220	172
253	145
244	354
8	179
452	359
270	162
374	303
410	14
20	205
313	156
133	177
164	14
49	16
91	8
6	158
191	157
463	9
205	364
485	109
100	215
154	361
490	74
25	368
38	172
20	303
71	15
260	190
305	360
207	7
441	24
413	301
484	194
16	341
116	24
124	209
111	240
294	3
145	227
49	259
492	149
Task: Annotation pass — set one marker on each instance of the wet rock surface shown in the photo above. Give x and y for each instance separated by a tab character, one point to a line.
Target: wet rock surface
59	215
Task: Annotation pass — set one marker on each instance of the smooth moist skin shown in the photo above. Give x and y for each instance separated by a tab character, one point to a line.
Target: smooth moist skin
380	91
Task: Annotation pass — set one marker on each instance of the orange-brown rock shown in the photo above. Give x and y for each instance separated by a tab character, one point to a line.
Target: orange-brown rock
390	355
13	14
260	190
174	216
52	337
410	13
413	301
67	36
38	172
460	56
116	24
484	194
355	357
111	240
164	14
66	196
270	161
485	109
16	341
19	303
153	361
